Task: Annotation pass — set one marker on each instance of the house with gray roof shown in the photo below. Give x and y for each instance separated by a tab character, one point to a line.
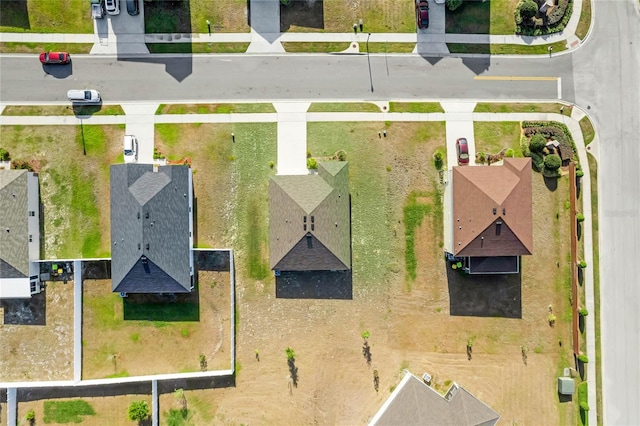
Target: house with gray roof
310	220
413	402
19	234
151	228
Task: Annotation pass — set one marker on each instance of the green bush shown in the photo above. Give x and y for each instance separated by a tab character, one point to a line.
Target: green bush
138	411
583	312
510	153
528	9
453	4
584	406
4	155
583	396
524	146
552	162
580	217
582	264
583	359
537	161
438	159
31	415
579	173
538	142
312	164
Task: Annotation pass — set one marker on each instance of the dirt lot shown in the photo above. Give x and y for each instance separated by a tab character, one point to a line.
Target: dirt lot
37	337
119	340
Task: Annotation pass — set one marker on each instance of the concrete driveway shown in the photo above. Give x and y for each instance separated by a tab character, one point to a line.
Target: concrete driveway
140	122
459	124
120	34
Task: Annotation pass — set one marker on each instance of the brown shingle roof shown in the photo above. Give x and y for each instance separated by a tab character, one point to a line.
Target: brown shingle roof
310	226
492	211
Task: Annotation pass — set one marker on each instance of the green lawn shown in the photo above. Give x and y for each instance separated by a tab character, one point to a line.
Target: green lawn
67	411
197	47
506	49
415	107
320	47
72	48
48	110
522	107
492	137
46	16
214	108
191	16
475	17
588	132
343	107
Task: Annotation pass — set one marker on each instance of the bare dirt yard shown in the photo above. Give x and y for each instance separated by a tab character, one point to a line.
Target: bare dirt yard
36	336
138	335
422	324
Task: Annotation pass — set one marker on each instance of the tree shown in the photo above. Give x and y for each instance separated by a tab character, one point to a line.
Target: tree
528	10
291	355
138	411
552	162
537	143
453	4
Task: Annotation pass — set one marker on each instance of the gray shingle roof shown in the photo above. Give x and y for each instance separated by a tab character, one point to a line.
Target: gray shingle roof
415	403
150	228
14	229
310	220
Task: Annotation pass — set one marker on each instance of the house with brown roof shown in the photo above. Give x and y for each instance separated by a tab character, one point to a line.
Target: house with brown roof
20	234
491	222
413	402
310	220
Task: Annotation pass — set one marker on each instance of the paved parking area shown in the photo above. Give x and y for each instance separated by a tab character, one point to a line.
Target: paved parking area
120	34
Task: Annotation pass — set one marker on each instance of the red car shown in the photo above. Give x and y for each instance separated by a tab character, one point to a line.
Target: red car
55	58
422	13
463	151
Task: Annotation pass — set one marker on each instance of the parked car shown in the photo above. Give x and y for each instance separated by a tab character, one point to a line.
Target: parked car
462	148
113	7
97	9
55	58
422	13
133	7
84	96
130	149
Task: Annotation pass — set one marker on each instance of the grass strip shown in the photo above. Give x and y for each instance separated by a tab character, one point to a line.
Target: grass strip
215	108
55	110
506	49
418	107
197	47
521	107
343	107
588	131
72	48
585	20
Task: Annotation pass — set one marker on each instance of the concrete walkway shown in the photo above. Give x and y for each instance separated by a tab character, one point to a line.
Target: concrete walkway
292	137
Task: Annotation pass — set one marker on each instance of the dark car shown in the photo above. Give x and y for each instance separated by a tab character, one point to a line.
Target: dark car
133	7
462	148
55	58
422	13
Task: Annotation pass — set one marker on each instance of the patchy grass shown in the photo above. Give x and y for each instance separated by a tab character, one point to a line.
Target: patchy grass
214	108
492	137
308	47
388	47
72	48
229	16
522	107
507	49
49	110
427	107
492	17
197	47
45	16
67	411
584	23
379	16
588	132
74	187
418	205
343	107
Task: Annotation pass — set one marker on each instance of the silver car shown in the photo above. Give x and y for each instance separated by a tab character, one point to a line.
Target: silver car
113	7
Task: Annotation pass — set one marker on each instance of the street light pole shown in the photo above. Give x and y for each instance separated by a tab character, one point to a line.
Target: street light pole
369	62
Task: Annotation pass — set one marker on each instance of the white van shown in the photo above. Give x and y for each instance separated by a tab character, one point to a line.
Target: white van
83	96
130	149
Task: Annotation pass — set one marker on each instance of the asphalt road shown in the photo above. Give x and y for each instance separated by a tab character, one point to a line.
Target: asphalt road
283	77
607	83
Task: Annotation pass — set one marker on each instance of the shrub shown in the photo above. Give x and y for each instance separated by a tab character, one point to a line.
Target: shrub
582	264
271	164
453	4
438	159
31	415
528	9
481	157
583	396
579	173
583	312
138	411
580	217
538	142
510	153
524	146
584	406
312	164
341	155
291	355
4	155
537	161
583	359
21	165
552	162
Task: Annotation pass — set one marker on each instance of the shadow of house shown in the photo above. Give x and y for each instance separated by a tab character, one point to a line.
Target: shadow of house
413	402
14	14
151	229
491	218
306	14
310	226
20	234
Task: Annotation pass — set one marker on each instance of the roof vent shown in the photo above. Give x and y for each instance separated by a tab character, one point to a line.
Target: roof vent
313	227
146	246
146	215
138	215
336	224
138	246
495	210
313	219
504	211
304	227
304	219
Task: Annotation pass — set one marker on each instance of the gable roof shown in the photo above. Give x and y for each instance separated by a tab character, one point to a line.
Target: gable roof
14	224
415	403
310	220
492	209
150	228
